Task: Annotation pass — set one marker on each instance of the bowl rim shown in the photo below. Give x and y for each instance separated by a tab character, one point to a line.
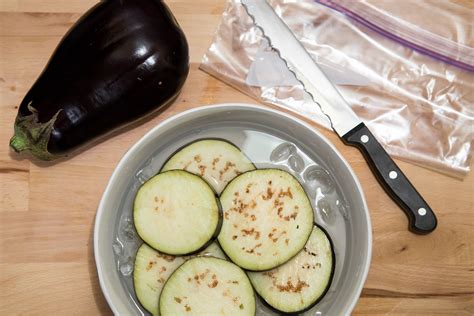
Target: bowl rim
224	107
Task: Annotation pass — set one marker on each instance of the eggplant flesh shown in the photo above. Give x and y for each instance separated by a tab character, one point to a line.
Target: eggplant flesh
176	212
301	282
268	219
217	161
121	61
207	286
152	269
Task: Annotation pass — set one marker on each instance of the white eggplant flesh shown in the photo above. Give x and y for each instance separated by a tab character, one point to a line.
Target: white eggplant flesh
208	286
152	269
216	161
176	212
267	219
301	282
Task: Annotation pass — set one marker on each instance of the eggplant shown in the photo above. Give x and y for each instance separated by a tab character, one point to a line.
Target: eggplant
207	286
268	219
122	61
300	283
164	206
216	160
152	269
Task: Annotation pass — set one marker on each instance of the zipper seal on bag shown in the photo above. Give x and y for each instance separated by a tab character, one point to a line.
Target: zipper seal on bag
467	55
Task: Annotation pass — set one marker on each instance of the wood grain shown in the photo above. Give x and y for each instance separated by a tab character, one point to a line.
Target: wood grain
47	210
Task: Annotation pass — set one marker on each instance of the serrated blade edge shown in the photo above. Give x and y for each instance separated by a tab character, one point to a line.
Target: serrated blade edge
342	117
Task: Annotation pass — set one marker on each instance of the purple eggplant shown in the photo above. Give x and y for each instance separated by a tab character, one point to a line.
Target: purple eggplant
122	61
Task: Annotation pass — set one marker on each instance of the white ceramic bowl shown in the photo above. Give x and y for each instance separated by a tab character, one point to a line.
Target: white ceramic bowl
257	131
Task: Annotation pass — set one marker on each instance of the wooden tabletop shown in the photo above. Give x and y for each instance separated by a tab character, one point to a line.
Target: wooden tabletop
47	212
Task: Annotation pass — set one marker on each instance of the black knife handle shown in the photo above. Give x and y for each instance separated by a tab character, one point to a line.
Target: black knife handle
422	220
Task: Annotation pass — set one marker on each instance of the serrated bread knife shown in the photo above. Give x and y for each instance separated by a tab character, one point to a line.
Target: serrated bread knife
343	120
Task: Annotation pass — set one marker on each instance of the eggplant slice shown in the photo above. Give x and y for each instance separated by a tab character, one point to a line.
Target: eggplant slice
301	282
207	286
150	273
217	161
176	213
152	269
267	219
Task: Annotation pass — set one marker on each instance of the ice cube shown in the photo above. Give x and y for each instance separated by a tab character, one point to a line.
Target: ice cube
282	152
126	268
321	176
140	175
127	230
326	211
343	210
296	163
117	247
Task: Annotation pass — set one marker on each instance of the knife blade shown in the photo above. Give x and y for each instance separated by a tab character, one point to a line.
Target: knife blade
344	121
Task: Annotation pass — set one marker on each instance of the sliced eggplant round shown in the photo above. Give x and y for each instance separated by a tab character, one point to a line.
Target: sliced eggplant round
152	269
217	161
207	286
267	219
301	282
150	273
176	213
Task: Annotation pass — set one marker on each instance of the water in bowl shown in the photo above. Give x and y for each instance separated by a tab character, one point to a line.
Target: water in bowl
266	148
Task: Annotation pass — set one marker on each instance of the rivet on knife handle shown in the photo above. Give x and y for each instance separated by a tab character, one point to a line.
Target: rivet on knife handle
421	218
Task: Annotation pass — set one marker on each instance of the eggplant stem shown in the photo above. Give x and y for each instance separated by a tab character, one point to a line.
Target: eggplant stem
33	136
19	144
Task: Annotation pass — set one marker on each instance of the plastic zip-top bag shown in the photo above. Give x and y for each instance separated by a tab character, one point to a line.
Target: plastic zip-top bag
445	33
418	102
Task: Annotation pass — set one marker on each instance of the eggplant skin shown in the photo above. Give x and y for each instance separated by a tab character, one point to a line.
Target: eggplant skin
122	60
